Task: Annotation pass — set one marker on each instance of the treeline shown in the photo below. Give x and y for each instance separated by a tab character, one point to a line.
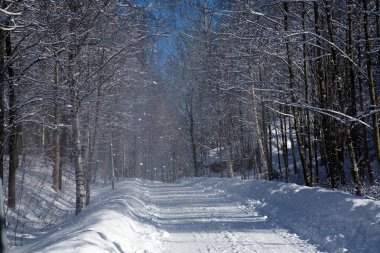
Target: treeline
74	80
289	88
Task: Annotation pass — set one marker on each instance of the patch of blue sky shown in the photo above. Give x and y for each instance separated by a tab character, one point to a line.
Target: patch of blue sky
173	17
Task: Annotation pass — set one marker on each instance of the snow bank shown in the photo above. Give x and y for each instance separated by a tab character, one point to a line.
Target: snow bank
335	221
38	207
115	221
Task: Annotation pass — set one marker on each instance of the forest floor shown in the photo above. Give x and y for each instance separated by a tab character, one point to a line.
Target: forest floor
215	215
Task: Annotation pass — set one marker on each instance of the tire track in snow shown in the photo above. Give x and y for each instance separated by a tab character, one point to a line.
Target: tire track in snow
203	220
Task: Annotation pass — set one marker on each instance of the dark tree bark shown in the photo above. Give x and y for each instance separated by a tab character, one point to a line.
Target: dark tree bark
3	234
2	108
190	115
57	179
295	111
363	130
351	133
306	80
13	134
371	83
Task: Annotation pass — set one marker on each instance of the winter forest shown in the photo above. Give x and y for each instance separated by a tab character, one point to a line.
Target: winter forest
94	92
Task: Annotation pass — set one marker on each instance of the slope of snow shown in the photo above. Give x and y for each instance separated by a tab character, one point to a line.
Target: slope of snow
38	206
216	215
115	221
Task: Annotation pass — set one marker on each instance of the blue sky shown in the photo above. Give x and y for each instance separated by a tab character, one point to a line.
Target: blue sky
170	19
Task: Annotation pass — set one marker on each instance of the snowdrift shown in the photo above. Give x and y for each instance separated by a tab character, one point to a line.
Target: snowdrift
113	222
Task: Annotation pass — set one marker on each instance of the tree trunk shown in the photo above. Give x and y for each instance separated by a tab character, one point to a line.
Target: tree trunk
75	113
92	151
267	137
293	147
263	156
378	26
306	80
352	133
2	108
331	129
57	184
259	133
192	138
297	122
371	84
229	161
76	137
13	135
363	130
278	150
112	167
316	137
243	152
354	166
92	169
87	165
78	165
321	91
3	232
285	151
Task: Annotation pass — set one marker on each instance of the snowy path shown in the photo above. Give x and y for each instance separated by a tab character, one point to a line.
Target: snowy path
151	217
199	220
214	215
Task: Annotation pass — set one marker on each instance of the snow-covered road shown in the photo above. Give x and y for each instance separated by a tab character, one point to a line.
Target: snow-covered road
199	220
215	215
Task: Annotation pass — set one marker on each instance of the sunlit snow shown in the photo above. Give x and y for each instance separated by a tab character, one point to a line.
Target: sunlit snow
216	215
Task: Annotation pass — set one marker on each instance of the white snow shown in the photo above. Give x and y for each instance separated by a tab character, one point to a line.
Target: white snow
216	215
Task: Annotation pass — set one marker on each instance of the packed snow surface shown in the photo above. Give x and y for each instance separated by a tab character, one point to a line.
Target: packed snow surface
216	215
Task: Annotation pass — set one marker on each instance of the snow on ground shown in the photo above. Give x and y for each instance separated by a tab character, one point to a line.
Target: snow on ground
334	221
216	215
38	206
